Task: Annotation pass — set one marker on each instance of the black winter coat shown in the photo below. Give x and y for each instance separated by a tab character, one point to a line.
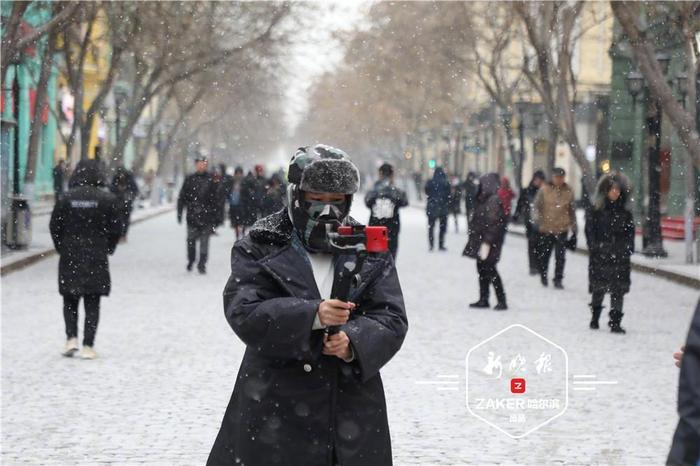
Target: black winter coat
251	200
524	206
610	239
685	449
292	405
438	192
488	222
199	195
85	227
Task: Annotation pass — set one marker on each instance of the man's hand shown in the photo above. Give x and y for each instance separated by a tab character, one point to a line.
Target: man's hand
337	345
678	356
334	312
179	219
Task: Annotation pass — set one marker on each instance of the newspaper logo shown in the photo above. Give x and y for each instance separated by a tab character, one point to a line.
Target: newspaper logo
517	381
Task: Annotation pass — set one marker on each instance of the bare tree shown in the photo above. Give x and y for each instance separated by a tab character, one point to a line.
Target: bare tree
551	32
183	39
15	40
685	16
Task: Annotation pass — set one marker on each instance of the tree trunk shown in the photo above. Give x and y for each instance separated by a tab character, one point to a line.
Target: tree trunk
645	56
35	131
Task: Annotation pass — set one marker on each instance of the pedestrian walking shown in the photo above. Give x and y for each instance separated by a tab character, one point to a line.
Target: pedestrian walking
487	232
437	189
250	202
523	210
235	206
469	189
610	237
455	200
384	201
124	187
224	185
85	228
59	173
554	216
198	196
507	195
273	200
302	396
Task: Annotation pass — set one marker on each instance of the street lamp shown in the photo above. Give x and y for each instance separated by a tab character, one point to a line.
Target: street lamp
635	85
682	84
652	238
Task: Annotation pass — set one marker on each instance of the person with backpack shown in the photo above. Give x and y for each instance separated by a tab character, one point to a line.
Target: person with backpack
384	201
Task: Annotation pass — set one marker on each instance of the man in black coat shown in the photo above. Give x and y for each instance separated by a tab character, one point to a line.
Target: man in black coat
85	227
303	397
685	449
523	211
199	196
384	202
438	192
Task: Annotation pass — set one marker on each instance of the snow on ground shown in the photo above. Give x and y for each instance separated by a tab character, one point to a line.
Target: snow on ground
168	360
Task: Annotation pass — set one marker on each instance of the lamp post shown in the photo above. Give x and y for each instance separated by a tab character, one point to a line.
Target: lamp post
652	237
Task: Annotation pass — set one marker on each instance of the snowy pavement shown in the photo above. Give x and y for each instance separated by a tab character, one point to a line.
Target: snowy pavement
168	360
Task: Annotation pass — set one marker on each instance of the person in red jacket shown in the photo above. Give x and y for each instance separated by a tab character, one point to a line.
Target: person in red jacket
506	194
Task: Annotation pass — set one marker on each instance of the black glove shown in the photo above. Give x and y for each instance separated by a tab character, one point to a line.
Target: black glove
179	219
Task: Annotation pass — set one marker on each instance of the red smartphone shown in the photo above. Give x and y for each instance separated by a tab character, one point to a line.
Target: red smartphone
376	238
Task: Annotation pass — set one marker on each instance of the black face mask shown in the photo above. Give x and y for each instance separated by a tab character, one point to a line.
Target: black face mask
313	220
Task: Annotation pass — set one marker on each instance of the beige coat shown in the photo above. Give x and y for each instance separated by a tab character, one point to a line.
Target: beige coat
553	210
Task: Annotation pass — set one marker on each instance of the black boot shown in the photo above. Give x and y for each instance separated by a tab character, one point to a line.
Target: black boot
543	280
595	316
500	294
557	284
615	319
501	305
483	301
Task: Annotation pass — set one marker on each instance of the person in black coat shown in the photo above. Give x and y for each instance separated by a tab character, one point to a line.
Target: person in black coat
234	203
199	196
487	231
523	211
469	189
124	187
250	200
224	186
85	227
685	449
302	396
59	172
384	202
273	200
454	202
610	239
438	192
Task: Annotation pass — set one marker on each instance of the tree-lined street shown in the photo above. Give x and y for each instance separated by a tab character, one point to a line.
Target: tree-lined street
168	360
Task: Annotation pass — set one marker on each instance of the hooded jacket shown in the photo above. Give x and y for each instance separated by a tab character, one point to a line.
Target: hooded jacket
610	238
85	227
291	404
488	223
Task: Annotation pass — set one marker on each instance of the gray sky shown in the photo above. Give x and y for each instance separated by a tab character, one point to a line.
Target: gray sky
311	60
